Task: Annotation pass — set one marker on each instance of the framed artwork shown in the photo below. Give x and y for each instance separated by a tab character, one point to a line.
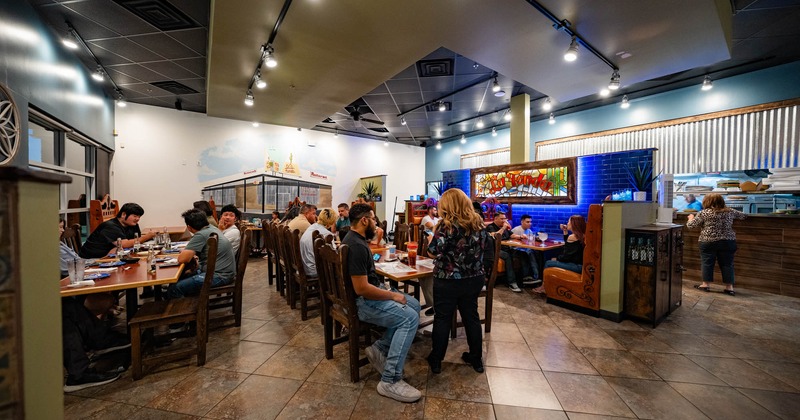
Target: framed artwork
541	182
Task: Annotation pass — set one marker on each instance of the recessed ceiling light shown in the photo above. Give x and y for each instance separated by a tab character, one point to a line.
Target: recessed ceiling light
442	106
604	92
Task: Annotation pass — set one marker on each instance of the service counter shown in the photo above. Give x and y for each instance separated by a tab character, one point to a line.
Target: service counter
768	255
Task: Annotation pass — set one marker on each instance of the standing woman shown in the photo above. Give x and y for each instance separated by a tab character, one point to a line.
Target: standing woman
717	240
457	244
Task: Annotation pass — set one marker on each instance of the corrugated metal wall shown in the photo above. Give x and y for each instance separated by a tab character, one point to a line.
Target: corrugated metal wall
754	140
487	158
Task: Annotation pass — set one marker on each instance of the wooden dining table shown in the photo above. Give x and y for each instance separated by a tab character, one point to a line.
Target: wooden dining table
540	246
128	277
399	272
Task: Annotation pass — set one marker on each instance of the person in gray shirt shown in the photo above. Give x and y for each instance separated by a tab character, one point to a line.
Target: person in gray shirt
225	270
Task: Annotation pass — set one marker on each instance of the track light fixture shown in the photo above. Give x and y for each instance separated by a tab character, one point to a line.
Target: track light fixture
707	83
442	106
438	145
572	51
604	92
507	117
613	84
386	143
547	105
498	91
403	121
463	139
480	123
625	104
255	124
69	41
248	98
552	119
269	56
494	131
120	99
98	74
260	83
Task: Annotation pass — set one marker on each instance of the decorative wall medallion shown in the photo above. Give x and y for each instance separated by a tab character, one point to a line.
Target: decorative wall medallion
9	126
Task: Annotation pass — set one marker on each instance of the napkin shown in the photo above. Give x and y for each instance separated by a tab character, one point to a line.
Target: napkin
82	283
171	262
100	270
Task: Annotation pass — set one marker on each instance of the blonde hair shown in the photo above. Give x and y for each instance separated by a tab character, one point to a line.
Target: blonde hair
327	217
455	208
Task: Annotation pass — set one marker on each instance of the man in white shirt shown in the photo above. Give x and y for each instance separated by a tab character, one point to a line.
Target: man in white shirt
530	268
430	220
325	221
227	224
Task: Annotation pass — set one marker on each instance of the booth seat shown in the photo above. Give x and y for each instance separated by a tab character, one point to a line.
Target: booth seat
580	291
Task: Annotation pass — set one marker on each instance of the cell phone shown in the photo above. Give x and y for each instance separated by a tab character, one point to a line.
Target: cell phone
376	257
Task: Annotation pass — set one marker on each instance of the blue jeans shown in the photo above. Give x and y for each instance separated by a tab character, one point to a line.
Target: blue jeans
509	261
710	253
566	266
191	286
401	322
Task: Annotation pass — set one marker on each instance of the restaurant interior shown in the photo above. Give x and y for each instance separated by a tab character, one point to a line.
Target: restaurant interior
622	112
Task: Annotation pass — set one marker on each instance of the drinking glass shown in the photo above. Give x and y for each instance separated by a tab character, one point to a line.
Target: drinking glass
75	270
530	237
167	241
412	254
542	236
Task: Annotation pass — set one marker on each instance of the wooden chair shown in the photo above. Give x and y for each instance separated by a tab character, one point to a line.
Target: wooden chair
280	262
580	291
230	295
488	294
102	210
402	234
343	232
339	305
266	228
307	286
166	312
72	237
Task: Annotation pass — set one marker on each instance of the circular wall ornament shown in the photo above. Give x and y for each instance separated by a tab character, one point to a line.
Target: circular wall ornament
9	126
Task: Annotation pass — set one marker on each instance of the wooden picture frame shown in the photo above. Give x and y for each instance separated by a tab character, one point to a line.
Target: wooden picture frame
541	182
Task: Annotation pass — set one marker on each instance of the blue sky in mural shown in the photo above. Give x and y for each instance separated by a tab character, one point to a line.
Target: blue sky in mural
239	155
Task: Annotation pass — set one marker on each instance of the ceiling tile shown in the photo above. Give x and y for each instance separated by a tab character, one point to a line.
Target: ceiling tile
196	39
437	84
198	84
128	49
154	102
407	100
169	69
121	78
384	109
408	73
107	57
379	100
112	16
57	14
378	90
197	10
138	72
402	86
146	89
195	65
164	45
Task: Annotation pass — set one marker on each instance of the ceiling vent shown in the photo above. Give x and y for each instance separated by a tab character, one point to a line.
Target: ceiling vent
159	13
174	87
434	107
435	68
328	121
379	129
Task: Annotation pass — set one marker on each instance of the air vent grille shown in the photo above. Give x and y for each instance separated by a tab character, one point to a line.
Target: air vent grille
174	87
435	68
159	13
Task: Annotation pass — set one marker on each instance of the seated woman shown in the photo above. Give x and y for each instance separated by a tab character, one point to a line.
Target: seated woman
571	257
380	235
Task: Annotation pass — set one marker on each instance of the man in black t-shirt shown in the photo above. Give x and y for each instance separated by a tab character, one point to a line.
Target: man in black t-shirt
396	311
501	225
125	226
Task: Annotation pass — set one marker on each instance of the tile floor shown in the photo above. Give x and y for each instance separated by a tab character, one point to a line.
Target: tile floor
716	357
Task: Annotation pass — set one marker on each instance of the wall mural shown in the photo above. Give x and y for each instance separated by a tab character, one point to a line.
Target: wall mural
542	182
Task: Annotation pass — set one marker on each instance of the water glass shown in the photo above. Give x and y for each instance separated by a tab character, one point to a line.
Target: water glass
167	241
392	251
75	270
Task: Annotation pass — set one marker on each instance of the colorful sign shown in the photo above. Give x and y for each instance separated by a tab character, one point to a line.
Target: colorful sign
534	182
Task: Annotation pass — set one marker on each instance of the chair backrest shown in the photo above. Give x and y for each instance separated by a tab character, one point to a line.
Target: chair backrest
498	238
297	258
422	242
401	235
244	255
287	251
211	266
72	237
342	232
338	287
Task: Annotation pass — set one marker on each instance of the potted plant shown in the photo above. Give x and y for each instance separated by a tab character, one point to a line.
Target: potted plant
441	187
369	191
641	178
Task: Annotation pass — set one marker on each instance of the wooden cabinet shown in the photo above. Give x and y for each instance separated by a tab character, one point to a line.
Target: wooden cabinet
653	271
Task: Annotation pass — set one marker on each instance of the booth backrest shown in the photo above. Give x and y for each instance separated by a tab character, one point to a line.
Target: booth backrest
102	210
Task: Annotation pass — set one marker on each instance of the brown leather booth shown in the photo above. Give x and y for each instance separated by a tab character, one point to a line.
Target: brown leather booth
580	291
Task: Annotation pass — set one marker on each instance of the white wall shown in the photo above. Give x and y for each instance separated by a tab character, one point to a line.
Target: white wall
162	159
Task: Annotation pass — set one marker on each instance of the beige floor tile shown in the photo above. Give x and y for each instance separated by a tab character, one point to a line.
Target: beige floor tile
556	358
370	403
275	332
185	398
783	404
690	344
90	408
313	336
591	338
336	371
459	382
437	408
677	368
507	412
145	413
291	362
504	331
245	358
323	401
510	355
521	388
641	341
721	402
740	374
654	399
786	372
618	363
587	394
258	397
141	392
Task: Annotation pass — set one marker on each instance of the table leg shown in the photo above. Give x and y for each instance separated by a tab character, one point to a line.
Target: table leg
131	302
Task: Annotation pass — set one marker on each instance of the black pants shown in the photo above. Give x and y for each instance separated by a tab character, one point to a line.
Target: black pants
80	331
717	252
449	294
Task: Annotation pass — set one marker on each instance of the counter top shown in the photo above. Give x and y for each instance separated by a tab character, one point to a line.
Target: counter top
757	215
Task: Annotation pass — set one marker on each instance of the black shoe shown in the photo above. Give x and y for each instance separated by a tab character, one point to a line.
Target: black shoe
118	341
88	380
476	362
436	365
430	311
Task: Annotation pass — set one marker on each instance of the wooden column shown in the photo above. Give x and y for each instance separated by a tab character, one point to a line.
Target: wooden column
520	128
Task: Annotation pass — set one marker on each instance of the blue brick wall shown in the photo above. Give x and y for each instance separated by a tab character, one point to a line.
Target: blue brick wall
458	178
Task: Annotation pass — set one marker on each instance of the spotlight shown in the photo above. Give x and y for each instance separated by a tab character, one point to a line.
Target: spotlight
552	119
572	51
255	124
121	102
496	89
480	123
463	139
547	105
248	98
98	74
402	120
707	83
269	58
386	143
442	106
604	92
438	145
69	41
625	104
614	83
507	117
260	83
494	131
475	66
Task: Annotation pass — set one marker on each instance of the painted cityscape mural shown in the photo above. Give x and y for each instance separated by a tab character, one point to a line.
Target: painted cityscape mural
550	181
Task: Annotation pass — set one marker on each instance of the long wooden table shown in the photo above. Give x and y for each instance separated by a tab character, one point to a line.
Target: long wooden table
128	277
407	274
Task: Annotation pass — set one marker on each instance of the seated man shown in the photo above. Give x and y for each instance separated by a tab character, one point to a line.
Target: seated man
83	329
307	216
325	221
125	226
692	203
530	267
430	220
501	225
227	224
343	220
225	271
397	312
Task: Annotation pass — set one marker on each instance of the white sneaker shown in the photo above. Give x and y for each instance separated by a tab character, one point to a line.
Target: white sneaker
400	391
514	288
376	358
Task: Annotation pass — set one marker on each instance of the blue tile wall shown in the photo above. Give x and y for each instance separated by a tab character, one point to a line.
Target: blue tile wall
458	178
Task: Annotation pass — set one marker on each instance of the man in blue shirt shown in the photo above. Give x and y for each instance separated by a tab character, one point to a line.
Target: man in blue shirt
692	203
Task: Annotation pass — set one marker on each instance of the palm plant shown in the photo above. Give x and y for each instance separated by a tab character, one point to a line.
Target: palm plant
369	191
641	176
